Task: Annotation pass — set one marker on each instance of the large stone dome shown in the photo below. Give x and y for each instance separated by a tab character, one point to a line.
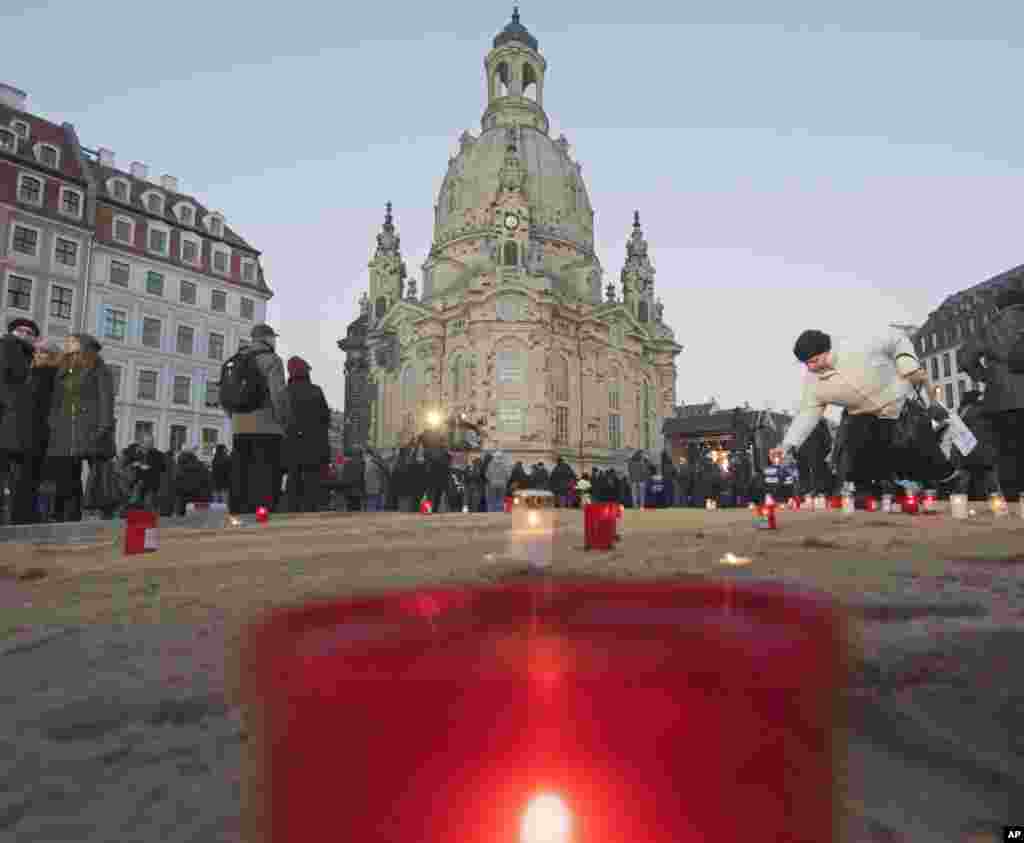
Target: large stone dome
553	186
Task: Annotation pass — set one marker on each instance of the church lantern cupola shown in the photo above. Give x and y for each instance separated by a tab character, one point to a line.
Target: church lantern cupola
638	276
515	79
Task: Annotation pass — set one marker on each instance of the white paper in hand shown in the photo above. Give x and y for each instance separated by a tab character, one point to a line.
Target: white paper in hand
959	435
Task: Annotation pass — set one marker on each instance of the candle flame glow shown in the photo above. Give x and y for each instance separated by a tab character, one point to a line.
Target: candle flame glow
546	820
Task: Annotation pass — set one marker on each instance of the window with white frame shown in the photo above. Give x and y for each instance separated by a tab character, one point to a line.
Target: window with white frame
116	373
158	239
216	225
155	204
145	429
48	155
20	128
189	250
30	189
154	283
248	271
8	140
186	339
19	292
187	293
25	240
215	347
221	260
152	328
70	202
124	230
120	273
65	251
115	324
212	394
186	214
61	300
147	385
182	389
246	308
218	301
119	189
178	437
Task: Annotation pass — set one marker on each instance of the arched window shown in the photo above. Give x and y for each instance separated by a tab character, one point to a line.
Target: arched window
509	366
560	377
529	82
510	253
643	311
381	306
510	308
458	377
408	386
501	80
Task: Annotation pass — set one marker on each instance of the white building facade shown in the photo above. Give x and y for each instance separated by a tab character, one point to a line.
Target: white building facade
172	293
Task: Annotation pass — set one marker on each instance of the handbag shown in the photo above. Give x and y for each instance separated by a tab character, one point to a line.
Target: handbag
914	425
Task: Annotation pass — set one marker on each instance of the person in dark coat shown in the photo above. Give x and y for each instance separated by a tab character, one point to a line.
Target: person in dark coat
475	485
518	478
562	477
306	446
24	414
684	482
165	496
81	420
353	483
191	483
142	468
812	462
982	463
221	472
984	358
539	477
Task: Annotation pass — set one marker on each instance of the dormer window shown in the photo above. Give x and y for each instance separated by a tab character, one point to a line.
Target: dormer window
248	271
8	140
186	214
215	225
48	156
155	203
20	128
119	189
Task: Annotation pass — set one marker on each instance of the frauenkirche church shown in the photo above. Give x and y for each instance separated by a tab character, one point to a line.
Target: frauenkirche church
512	328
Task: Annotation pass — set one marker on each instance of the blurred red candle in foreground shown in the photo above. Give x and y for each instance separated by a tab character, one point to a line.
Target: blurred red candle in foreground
586	712
262	513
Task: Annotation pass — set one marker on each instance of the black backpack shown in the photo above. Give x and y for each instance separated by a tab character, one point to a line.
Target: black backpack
243	387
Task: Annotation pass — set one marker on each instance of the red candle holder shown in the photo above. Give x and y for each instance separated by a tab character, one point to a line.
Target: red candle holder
835	502
650	710
871	504
262	514
910	505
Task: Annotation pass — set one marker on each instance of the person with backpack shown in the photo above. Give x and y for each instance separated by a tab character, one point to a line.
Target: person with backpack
994	358
254	395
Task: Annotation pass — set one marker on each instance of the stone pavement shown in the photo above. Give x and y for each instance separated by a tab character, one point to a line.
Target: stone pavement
125	733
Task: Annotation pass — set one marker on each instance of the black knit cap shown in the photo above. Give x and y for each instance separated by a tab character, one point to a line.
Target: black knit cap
22	322
810	343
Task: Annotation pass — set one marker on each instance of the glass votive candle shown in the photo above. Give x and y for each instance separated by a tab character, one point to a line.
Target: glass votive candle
958	506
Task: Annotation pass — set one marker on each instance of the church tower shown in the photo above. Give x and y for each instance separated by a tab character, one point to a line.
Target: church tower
638	276
387	270
515	80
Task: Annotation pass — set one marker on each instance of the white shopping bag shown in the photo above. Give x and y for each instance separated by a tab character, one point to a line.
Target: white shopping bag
957	435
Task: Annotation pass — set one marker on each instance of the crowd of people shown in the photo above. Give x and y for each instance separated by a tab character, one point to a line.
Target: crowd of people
57	417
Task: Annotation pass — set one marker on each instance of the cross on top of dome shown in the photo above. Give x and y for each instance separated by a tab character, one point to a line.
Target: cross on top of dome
515	31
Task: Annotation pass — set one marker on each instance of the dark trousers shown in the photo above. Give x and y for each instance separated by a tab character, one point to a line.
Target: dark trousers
255	469
23	471
1009	433
303	488
868	457
68	499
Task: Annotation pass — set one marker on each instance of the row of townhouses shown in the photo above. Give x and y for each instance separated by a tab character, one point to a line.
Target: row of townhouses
164	283
952	324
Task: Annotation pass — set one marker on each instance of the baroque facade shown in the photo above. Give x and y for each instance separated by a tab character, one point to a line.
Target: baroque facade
512	329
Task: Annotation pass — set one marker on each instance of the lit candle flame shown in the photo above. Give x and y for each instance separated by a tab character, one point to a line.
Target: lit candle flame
546	820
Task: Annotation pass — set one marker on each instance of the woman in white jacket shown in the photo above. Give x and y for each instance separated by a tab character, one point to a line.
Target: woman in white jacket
872	384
